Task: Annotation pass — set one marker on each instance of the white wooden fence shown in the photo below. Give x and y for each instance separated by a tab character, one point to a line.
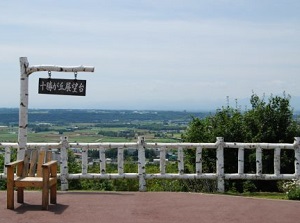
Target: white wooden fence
142	174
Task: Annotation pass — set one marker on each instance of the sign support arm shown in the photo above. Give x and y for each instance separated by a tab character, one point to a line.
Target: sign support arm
37	68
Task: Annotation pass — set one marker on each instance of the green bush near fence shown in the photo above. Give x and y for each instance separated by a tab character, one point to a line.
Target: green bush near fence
292	189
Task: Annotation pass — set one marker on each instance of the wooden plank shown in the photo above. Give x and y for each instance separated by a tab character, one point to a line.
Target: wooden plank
20	167
24	184
26	162
48	156
53	169
41	159
33	162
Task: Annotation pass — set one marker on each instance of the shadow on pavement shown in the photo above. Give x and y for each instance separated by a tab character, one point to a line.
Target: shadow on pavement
54	208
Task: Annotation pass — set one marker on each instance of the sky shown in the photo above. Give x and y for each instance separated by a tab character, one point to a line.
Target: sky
153	54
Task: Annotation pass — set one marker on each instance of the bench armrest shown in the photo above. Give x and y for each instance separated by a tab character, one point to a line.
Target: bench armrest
13	164
19	164
50	169
50	163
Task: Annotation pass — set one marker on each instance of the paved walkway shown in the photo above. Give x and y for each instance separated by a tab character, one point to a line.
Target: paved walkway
148	207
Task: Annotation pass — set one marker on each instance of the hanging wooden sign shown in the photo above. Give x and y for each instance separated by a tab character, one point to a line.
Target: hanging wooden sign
62	86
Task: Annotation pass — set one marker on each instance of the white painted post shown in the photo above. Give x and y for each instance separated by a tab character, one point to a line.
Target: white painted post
180	161
7	158
241	160
220	164
84	161
162	160
23	109
199	160
64	170
297	156
277	161
102	160
258	161
120	161
141	164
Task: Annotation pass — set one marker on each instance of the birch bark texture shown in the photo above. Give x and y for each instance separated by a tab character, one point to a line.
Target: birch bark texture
26	70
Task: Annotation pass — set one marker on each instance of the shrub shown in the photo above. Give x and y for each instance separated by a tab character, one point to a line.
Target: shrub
292	189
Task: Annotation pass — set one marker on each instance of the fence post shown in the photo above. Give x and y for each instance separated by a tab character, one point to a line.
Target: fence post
180	161
297	157
162	160
241	160
199	160
102	160
64	171
277	152
141	164
258	153
84	160
220	164
120	161
7	158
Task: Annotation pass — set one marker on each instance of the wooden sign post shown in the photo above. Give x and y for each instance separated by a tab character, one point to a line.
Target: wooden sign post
69	89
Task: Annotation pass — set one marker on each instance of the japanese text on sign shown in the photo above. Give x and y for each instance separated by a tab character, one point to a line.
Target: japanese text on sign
62	86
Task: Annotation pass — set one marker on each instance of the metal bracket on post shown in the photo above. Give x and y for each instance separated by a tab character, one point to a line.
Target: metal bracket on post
26	70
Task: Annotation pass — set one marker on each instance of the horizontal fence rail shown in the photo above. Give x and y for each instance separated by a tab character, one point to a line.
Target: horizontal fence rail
162	148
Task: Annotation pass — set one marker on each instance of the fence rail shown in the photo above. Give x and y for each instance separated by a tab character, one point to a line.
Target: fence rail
220	176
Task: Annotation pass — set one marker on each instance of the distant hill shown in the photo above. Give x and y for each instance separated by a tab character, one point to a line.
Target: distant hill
11	116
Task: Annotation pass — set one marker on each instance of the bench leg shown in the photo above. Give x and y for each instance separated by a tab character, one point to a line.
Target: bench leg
10	188
53	194
20	195
10	196
45	198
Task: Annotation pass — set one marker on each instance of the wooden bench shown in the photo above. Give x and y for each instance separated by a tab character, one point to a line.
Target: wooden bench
35	171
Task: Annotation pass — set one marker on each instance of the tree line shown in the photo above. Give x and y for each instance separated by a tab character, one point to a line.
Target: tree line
268	120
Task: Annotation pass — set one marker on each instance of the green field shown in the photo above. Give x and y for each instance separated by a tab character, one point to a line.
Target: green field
88	132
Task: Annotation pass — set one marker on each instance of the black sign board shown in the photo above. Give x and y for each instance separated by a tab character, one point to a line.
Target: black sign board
62	86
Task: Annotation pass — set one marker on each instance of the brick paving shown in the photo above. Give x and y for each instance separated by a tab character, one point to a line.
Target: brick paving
148	207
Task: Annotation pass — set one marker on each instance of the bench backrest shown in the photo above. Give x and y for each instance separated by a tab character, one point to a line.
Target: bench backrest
33	161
